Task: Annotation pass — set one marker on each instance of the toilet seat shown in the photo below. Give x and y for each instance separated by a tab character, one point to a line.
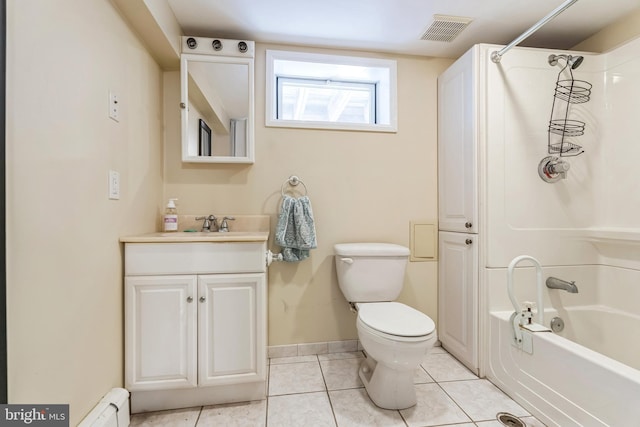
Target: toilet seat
395	320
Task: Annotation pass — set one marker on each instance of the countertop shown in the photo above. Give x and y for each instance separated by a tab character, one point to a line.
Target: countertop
183	237
245	228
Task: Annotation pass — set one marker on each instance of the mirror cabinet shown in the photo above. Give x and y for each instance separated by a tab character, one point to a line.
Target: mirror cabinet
217	100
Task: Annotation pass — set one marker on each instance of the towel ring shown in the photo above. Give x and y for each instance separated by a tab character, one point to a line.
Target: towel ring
293	181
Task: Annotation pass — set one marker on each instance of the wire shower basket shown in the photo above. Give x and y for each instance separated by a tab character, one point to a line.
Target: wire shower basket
567	92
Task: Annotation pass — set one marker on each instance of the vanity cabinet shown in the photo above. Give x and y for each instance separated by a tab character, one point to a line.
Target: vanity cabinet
204	327
195	323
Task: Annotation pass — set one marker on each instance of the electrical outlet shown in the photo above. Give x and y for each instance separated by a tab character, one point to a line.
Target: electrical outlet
114	185
114	107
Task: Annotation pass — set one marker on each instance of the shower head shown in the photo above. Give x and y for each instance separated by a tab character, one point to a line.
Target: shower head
572	61
575	61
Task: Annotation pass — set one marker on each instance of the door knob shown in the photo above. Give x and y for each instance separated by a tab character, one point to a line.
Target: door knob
468	241
468	224
202	299
189	299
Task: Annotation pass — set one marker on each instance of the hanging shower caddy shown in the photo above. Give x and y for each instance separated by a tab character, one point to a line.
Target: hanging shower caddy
567	92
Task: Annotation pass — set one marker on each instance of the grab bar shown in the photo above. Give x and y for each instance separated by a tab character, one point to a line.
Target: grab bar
515	317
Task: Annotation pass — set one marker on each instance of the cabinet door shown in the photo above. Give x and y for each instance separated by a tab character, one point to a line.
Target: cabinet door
458	296
160	332
457	147
231	328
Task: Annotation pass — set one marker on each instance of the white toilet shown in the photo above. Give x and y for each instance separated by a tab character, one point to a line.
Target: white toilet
394	336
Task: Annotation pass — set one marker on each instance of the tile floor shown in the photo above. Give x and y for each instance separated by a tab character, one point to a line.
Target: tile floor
324	390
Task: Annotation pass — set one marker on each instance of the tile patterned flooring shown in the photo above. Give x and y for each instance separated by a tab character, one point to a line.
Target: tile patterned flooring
324	390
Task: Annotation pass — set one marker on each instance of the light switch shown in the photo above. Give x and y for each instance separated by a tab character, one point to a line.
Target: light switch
114	185
423	241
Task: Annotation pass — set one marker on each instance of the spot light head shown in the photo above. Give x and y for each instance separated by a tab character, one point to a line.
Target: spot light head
192	43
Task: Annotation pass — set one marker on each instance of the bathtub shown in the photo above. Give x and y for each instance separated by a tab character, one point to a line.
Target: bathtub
608	331
564	383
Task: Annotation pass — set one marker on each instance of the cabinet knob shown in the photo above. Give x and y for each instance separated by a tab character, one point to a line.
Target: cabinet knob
468	224
202	299
189	299
468	241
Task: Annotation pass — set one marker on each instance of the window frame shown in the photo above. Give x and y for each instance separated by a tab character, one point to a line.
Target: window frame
385	96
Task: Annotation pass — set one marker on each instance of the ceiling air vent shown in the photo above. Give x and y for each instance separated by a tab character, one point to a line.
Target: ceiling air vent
445	28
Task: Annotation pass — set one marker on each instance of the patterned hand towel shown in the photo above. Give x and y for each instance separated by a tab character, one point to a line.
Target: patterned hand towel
295	230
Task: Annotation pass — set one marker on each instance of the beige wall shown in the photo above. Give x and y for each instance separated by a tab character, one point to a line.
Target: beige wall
614	35
364	186
64	274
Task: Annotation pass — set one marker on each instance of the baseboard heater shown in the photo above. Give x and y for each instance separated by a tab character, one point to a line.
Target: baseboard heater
111	411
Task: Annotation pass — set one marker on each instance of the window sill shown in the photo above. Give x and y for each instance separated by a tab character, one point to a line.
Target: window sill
332	126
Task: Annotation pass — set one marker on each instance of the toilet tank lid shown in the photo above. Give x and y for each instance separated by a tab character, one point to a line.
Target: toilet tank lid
370	249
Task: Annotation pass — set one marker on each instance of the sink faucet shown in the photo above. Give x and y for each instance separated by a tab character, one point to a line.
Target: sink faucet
209	222
555	283
224	226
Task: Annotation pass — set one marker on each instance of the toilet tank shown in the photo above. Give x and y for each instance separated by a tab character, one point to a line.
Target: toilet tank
370	272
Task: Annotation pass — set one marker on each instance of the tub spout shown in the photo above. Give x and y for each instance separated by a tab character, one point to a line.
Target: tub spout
555	283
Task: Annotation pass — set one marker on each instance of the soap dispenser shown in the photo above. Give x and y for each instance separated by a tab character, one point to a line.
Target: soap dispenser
170	220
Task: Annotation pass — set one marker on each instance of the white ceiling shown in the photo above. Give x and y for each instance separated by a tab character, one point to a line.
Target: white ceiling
395	25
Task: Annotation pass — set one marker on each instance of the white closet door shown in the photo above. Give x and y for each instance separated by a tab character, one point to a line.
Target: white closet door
458	296
457	147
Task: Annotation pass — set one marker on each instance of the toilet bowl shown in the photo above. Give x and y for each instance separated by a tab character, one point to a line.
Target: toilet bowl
395	350
394	336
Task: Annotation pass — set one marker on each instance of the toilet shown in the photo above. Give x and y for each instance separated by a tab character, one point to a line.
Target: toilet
394	336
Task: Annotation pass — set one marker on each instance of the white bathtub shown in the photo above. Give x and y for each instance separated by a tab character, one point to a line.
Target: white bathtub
605	330
564	383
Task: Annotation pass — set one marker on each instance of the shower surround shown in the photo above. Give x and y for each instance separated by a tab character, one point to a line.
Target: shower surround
582	228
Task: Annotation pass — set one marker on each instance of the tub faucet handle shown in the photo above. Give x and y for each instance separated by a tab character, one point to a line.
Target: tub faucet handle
552	169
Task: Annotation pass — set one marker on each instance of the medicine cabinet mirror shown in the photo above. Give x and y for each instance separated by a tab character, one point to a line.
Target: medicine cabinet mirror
217	100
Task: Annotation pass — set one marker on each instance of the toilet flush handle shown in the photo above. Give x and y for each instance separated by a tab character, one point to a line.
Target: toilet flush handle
347	260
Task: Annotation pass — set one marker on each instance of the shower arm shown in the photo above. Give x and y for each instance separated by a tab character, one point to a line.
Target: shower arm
496	56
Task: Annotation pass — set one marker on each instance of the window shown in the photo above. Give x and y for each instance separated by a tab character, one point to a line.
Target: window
330	92
325	100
